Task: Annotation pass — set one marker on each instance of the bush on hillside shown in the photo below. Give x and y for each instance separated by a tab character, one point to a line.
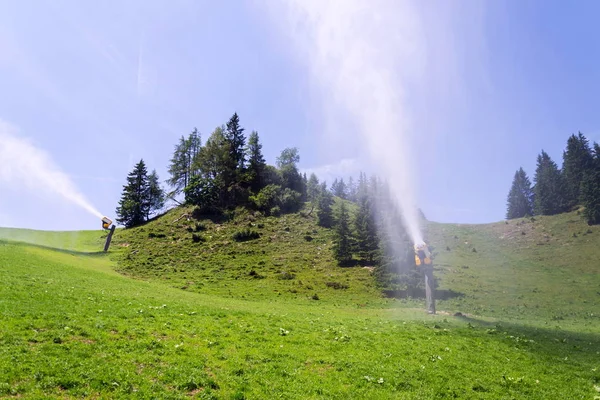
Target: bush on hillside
245	235
203	193
267	198
198	238
290	201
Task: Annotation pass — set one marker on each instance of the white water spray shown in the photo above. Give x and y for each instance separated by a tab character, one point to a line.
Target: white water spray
364	55
23	165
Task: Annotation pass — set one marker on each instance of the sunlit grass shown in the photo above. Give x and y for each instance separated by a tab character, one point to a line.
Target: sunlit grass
71	327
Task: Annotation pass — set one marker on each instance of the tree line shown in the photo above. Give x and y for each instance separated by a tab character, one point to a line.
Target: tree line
556	190
225	172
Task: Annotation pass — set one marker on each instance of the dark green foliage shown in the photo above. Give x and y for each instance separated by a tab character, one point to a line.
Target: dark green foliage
289	156
234	134
267	198
156	193
272	176
256	163
577	161
520	197
245	235
275	211
395	258
590	190
336	285
198	238
135	204
351	190
183	164
291	201
271	196
367	242
325	213
153	235
338	188
312	188
204	193
343	236
549	187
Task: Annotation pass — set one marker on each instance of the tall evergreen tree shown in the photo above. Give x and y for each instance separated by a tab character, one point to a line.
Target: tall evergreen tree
590	190
339	189
343	236
549	187
351	190
235	136
520	197
213	166
312	188
366	228
577	161
256	162
324	214
135	205
183	164
334	186
156	194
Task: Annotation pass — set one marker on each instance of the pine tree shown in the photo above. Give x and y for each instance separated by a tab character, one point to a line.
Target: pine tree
366	229
577	161
134	206
312	188
590	190
156	194
183	164
549	187
334	186
343	237
351	190
236	139
256	163
213	166
324	214
339	188
520	197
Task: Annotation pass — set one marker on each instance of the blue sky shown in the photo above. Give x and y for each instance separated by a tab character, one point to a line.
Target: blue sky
100	85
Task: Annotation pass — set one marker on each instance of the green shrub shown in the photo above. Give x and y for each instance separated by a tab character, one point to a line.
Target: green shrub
198	238
287	276
336	285
245	235
275	211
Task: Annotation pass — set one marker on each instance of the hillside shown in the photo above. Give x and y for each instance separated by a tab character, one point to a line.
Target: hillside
291	259
72	327
540	268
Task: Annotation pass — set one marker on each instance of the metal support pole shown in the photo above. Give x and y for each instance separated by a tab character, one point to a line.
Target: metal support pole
109	238
429	289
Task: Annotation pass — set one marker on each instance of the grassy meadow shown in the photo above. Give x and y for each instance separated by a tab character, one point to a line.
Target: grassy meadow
167	315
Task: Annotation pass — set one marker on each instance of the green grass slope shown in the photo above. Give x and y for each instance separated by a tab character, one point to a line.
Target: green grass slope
70	327
545	269
85	241
291	260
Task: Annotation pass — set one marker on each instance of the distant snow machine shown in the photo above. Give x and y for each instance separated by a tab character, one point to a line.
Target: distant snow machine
107	224
423	260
